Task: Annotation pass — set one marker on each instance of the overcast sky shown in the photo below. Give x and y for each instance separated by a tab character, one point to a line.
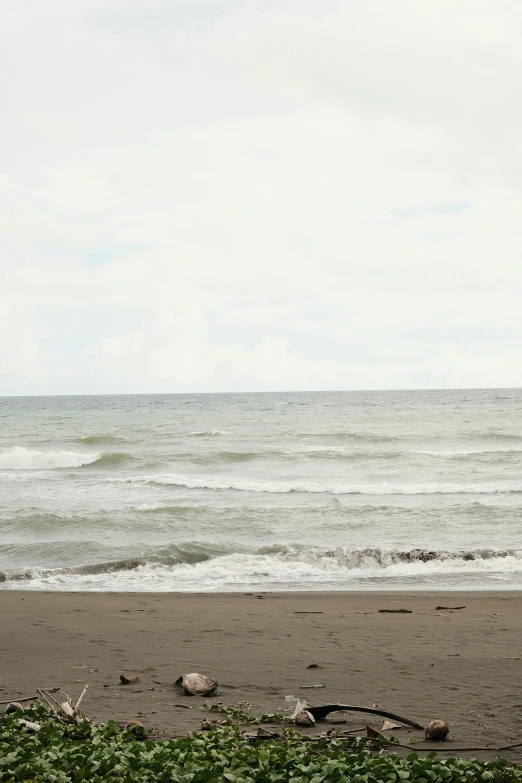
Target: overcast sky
249	195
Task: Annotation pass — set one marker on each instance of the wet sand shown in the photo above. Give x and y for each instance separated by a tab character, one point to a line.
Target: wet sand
464	666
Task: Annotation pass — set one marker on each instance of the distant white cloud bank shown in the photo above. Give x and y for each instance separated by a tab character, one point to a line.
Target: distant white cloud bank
242	195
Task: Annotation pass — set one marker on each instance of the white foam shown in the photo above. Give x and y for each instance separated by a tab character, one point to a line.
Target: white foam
279	487
291	569
210	433
21	458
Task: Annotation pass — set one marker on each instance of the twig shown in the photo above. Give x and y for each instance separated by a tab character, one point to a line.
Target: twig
438	608
50	696
80	699
45	697
26	698
321	712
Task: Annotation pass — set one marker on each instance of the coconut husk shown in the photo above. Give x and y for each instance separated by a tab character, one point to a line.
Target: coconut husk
436	730
13	706
304	718
195	684
124	680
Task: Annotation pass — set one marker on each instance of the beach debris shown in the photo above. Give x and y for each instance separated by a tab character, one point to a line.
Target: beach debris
20	701
304	718
389	725
137	728
65	712
308	612
436	730
299	705
373	733
13	706
395	611
132	724
30	726
314	666
195	684
315	685
320	713
261	734
67	708
124	680
450	608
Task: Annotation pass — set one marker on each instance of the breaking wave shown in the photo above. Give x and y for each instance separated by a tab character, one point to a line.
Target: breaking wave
21	458
29	459
332	488
196	567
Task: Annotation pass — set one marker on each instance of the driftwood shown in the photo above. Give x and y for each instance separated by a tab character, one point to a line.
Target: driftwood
81	697
451	608
64	712
17	700
395	611
320	713
30	726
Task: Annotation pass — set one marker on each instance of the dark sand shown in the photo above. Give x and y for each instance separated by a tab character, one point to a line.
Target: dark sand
462	666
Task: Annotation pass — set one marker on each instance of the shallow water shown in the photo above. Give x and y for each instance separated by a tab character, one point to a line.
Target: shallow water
329	490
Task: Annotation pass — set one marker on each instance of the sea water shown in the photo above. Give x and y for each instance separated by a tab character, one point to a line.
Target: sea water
294	491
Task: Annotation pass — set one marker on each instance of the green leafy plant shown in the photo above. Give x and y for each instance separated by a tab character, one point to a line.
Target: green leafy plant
106	754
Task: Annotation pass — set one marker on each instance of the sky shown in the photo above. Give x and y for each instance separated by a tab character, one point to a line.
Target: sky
255	195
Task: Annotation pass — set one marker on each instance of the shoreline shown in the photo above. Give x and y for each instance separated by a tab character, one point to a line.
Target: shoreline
461	666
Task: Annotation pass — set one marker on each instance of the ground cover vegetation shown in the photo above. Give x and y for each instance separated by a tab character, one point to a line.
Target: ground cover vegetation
105	752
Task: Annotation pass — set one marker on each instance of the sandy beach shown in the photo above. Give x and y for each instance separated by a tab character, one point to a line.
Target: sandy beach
463	666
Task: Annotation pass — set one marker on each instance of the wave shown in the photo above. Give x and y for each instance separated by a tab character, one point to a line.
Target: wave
340	454
209	433
465	454
99	440
112	458
187	554
495	435
285	487
21	458
199	566
367	437
173	509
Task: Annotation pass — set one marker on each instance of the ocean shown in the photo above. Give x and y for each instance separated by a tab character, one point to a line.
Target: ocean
258	492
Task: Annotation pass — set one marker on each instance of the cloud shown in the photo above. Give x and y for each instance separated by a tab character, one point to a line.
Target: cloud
266	195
